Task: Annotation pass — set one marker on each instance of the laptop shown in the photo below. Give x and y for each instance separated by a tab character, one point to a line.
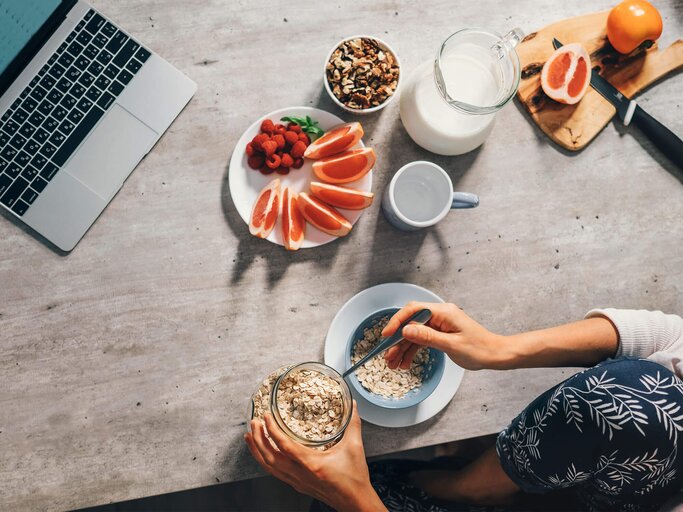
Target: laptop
81	103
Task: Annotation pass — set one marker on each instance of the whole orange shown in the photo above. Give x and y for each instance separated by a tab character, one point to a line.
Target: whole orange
631	23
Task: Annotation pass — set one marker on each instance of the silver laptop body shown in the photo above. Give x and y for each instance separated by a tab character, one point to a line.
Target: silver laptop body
111	130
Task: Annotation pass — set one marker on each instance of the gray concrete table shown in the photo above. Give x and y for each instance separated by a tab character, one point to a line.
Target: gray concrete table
127	365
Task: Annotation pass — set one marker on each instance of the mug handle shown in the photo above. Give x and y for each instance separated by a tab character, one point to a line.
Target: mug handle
464	200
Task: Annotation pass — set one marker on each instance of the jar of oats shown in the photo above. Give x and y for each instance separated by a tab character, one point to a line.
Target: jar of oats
310	402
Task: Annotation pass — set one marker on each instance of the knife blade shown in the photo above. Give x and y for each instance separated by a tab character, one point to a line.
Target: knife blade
629	111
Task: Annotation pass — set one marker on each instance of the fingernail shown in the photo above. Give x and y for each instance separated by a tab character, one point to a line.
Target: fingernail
410	330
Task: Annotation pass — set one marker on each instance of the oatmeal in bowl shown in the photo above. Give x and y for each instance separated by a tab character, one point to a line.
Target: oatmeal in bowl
310	402
380	385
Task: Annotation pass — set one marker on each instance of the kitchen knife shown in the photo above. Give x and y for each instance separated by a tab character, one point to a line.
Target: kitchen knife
630	112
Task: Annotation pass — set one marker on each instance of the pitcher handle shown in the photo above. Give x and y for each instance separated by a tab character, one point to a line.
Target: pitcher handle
464	200
508	42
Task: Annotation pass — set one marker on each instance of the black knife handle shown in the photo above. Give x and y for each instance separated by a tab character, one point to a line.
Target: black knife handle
666	140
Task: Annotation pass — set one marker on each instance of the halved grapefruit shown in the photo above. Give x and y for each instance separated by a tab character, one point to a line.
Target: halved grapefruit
336	140
566	75
322	216
341	197
265	211
346	167
293	222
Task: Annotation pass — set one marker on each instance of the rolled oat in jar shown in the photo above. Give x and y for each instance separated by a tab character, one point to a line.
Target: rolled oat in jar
310	402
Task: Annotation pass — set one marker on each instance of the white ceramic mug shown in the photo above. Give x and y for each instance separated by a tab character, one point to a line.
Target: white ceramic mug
421	194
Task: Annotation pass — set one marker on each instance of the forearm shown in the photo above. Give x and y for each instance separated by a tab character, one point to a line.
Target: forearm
582	343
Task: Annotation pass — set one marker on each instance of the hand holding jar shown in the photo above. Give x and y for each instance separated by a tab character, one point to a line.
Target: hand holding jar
337	476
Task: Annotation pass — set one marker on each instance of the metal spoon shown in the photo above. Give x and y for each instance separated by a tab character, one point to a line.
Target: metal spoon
421	317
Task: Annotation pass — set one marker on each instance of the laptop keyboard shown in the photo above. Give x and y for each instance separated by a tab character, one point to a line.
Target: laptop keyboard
61	105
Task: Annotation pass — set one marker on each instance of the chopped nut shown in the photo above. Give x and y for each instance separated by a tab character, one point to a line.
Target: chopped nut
376	376
362	74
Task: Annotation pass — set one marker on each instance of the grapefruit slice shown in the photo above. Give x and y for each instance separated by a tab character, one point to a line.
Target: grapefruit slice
338	139
265	211
293	222
322	216
341	197
349	166
566	75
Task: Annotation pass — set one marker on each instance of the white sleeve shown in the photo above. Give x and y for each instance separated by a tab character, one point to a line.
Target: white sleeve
642	332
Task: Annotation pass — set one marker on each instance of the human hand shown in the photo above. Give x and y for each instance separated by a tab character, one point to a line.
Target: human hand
338	476
450	330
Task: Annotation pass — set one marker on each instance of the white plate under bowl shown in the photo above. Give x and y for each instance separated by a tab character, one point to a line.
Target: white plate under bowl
357	309
246	183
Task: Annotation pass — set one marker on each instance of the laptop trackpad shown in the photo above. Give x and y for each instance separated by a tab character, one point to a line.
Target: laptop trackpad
111	152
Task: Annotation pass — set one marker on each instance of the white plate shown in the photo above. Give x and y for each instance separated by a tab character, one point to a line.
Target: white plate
359	307
246	183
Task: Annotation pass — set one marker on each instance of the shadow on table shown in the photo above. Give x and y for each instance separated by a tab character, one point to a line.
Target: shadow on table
643	140
395	254
251	248
657	156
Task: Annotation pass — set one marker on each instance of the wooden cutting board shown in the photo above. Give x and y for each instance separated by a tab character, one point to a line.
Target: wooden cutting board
574	126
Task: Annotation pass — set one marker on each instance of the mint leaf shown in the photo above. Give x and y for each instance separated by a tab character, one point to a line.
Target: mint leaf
298	120
307	124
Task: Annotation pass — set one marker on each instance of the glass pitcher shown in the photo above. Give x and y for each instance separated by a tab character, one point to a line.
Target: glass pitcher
448	105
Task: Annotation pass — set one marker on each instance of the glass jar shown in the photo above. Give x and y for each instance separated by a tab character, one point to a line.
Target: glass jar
448	105
265	399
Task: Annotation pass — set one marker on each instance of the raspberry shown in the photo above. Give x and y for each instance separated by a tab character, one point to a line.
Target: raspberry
282	170
280	129
298	149
273	161
298	163
280	141
250	149
256	161
287	160
304	138
258	140
267	126
291	137
269	147
294	127
265	170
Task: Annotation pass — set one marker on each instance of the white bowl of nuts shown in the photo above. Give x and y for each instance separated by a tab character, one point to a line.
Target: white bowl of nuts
381	385
362	74
310	402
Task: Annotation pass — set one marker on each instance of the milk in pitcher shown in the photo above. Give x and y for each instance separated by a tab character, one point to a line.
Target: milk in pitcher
475	83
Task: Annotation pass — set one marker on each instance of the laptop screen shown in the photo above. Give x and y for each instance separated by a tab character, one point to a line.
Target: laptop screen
19	21
25	25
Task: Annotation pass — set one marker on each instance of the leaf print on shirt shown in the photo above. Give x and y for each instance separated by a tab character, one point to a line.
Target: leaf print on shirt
598	402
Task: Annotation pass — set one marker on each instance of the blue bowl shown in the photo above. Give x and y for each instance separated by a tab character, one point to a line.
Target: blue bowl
431	376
